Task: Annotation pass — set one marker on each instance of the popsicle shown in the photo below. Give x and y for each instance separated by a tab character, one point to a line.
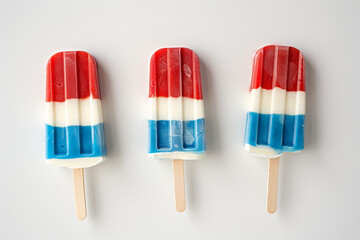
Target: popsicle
74	124
176	119
276	118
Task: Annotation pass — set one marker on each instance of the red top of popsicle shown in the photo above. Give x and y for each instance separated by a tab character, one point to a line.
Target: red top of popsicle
175	72
278	66
70	75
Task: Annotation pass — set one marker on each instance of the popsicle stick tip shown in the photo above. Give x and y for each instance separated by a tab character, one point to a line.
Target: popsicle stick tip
81	217
271	210
180	209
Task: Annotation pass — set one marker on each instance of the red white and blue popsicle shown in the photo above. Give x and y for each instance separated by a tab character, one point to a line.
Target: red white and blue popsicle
74	124
275	121
276	118
176	120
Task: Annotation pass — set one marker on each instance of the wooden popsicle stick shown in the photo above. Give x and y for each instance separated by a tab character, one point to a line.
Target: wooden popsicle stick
272	187
179	185
79	189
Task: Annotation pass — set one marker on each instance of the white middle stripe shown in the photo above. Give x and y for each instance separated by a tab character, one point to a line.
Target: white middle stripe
182	108
277	101
72	112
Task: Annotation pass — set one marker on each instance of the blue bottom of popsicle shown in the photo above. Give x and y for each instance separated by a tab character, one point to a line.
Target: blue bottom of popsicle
283	133
177	136
75	141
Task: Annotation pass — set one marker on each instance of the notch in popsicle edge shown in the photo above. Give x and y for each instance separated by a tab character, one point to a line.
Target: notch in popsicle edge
79	190
179	186
272	185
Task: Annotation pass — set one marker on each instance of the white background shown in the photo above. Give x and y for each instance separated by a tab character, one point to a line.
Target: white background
131	196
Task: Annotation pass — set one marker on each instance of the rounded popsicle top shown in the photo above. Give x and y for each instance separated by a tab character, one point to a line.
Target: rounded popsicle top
71	75
175	72
278	66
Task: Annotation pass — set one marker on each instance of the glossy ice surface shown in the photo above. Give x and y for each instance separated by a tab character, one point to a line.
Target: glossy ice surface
176	118
74	124
276	117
